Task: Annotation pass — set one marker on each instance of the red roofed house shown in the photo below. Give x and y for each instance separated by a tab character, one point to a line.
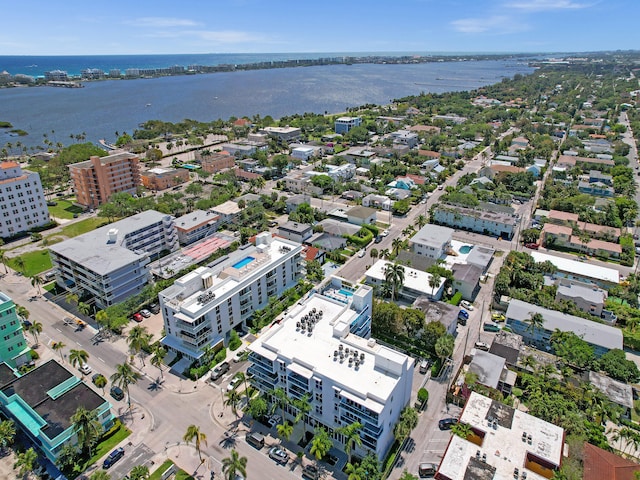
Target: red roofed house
600	464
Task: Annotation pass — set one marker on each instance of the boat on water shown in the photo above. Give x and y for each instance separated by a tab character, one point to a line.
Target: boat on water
148	105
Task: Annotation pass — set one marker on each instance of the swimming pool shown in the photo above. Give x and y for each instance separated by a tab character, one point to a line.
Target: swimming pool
188	166
243	263
348	293
465	249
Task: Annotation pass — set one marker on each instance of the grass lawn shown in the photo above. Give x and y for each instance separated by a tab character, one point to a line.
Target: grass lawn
64	209
34	262
50	287
180	474
83	226
109	443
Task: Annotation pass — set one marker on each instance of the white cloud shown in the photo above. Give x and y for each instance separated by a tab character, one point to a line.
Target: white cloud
544	5
498	24
161	22
218	37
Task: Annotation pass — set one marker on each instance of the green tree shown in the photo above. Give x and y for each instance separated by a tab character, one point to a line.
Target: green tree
394	276
138	341
100	475
195	436
285	430
35	329
102	318
351	433
3	260
463	430
421	221
572	349
26	462
36	281
534	322
232	400
100	381
20	264
159	354
87	427
57	347
125	376
321	443
71	299
139	472
78	358
234	465
257	407
615	364
84	308
444	346
354	472
7	433
303	407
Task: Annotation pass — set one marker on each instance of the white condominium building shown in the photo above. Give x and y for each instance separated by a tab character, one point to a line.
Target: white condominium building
201	308
318	352
22	202
110	263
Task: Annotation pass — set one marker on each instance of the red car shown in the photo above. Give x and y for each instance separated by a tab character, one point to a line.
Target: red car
137	317
533	246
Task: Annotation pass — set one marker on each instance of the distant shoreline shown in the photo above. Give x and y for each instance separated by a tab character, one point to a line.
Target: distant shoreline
58	77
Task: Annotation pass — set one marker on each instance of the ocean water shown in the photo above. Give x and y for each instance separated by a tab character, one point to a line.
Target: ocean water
101	108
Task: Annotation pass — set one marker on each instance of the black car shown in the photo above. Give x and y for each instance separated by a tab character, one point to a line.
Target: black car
155	308
447	423
378	239
113	457
116	392
220	370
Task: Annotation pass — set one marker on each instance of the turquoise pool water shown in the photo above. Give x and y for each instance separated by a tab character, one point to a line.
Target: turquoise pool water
190	167
243	263
465	249
345	292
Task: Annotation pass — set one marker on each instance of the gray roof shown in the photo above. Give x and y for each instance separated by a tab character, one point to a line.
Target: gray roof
507	345
617	392
326	241
295	227
338	228
92	251
433	235
593	295
361	212
442	312
488	367
195	218
480	256
469	274
591	332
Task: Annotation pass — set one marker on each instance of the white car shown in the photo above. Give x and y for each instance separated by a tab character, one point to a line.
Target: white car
466	305
385	233
233	384
85	369
361	253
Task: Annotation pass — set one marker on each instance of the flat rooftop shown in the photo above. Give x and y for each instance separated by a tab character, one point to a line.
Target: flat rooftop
308	354
93	251
53	392
433	235
227	208
415	280
581	269
502	449
195	219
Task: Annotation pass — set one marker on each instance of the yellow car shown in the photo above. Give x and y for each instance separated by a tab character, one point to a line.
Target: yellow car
498	317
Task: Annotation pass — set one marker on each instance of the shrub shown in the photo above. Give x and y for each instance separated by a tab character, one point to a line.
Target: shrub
455	300
234	342
220	356
423	395
34	355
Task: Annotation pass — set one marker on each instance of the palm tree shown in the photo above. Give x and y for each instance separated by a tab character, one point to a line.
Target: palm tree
138	340
7	433
100	381
394	276
396	245
233	465
444	346
84	308
102	318
535	321
528	362
285	430
86	426
125	376
434	281
100	475
373	253
232	399
280	399
71	299
19	261
351	433
421	221
463	430
139	472
354	472
35	329
159	352
57	347
78	358
321	443
36	281
303	406
193	434
26	461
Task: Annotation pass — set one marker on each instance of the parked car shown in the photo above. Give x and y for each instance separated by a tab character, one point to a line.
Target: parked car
427	470
279	455
113	457
220	370
498	317
137	317
533	246
116	392
463	314
361	253
467	305
378	239
145	313
233	384
482	346
273	223
385	233
447	423
274	420
240	356
85	369
155	308
490	327
310	472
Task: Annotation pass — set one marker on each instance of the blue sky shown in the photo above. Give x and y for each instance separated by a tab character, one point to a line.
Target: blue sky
73	27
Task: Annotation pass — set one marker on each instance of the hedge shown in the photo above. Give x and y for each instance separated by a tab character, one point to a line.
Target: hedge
372	228
455	300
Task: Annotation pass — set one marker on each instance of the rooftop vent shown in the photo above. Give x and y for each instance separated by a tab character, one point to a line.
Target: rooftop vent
112	235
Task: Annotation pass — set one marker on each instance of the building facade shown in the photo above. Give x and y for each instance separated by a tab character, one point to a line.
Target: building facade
344	124
162	178
201	308
215	162
432	241
316	352
484	222
96	179
14	350
110	263
196	225
22	202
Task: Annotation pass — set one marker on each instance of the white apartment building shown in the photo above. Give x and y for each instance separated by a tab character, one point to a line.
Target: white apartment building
316	351
432	241
201	308
110	263
22	202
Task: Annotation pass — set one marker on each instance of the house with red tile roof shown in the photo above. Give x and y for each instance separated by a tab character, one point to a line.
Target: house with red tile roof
600	464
